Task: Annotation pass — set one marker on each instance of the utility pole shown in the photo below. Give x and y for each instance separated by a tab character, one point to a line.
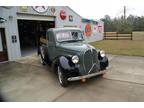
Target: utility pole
124	12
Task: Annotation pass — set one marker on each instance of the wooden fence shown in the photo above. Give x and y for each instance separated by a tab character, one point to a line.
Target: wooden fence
118	36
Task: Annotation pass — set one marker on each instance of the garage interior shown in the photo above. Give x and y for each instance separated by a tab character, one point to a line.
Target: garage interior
29	31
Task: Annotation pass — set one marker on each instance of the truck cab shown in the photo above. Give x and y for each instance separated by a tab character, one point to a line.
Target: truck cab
73	59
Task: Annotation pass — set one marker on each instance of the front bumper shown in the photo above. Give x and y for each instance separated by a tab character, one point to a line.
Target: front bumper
86	76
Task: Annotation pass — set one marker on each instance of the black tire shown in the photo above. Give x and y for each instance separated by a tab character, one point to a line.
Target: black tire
62	77
42	56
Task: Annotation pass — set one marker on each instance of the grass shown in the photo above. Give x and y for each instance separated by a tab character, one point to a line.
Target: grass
121	47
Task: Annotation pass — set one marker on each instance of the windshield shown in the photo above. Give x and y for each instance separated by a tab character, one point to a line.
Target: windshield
67	36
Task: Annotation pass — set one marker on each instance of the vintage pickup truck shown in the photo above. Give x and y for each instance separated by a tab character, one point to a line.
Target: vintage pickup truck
72	58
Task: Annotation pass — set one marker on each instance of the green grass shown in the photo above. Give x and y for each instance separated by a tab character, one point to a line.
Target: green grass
121	47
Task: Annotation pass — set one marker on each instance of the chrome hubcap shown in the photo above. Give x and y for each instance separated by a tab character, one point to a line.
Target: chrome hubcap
42	52
59	75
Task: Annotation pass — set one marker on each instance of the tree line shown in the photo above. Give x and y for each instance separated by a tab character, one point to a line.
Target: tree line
123	25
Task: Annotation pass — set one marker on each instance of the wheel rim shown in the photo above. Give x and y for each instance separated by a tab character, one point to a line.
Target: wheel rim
59	75
42	52
41	60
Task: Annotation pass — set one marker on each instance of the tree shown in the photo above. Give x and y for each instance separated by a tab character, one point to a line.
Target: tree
132	23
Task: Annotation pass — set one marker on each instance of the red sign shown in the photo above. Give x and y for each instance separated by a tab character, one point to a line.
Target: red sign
63	15
88	30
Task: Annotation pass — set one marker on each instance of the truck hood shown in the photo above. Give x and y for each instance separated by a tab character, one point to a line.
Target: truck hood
78	47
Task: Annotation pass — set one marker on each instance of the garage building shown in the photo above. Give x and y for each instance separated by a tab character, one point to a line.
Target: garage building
20	27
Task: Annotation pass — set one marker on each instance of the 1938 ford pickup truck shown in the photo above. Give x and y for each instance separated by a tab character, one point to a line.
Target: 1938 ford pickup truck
73	59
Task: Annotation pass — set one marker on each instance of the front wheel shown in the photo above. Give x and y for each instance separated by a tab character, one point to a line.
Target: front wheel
62	77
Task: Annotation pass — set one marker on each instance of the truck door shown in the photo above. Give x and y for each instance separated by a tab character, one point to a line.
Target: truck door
51	45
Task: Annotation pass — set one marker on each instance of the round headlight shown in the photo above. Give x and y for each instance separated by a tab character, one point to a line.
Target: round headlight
75	59
102	53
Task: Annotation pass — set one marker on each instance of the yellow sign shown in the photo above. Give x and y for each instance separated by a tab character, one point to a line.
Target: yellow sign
24	8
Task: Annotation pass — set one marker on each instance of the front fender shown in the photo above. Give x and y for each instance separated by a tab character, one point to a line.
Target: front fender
104	63
64	63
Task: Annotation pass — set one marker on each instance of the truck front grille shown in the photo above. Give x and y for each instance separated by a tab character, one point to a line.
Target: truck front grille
88	60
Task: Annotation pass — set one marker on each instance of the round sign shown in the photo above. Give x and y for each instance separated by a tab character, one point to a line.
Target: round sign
88	30
62	14
40	9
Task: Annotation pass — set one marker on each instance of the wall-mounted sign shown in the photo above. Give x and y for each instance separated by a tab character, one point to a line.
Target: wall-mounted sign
40	9
100	29
95	28
63	14
88	30
53	10
70	18
23	8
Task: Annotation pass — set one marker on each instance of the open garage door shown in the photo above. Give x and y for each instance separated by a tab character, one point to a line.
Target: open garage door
29	31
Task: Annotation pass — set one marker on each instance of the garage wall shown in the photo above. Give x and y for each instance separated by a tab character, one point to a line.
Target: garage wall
11	29
97	31
66	23
11	14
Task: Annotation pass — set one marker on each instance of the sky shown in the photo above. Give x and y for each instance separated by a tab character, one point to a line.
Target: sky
91	9
96	9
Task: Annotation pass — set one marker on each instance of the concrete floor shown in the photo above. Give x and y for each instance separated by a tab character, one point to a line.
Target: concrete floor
27	80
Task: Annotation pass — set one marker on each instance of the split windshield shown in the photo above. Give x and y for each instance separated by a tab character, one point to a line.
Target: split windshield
69	36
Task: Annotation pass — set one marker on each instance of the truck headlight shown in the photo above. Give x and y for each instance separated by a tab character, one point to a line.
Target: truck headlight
102	53
75	59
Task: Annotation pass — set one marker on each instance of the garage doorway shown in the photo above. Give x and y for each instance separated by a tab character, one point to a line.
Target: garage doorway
29	31
3	46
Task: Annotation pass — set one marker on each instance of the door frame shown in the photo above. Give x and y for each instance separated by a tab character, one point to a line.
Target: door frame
5	49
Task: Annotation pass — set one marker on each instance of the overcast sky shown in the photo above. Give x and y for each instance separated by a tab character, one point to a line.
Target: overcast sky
96	9
91	9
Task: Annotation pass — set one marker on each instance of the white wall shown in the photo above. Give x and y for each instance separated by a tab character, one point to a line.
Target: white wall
97	32
77	21
61	23
11	27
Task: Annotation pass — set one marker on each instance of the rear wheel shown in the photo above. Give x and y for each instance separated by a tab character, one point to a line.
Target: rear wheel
42	56
62	77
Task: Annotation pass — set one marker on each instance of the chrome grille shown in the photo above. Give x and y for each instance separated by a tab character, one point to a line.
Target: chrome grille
95	56
88	60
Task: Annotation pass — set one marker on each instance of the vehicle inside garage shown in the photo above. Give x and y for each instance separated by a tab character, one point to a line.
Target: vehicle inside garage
29	31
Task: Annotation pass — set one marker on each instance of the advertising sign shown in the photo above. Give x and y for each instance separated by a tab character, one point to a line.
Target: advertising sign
63	14
70	18
88	30
24	8
100	29
40	9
